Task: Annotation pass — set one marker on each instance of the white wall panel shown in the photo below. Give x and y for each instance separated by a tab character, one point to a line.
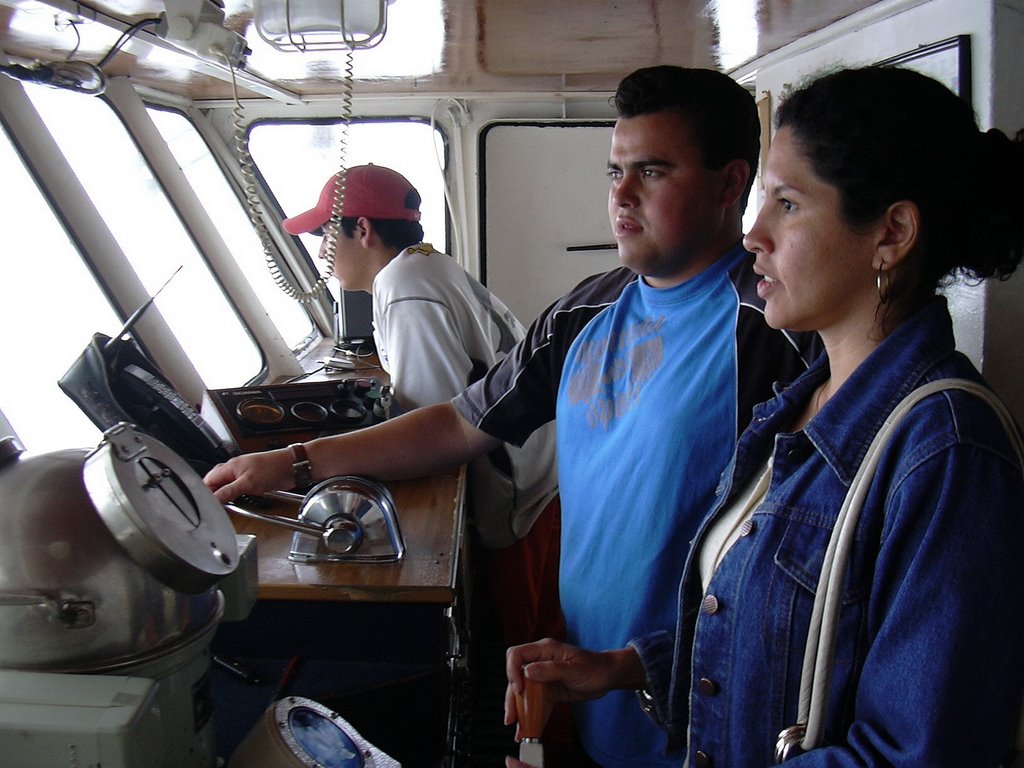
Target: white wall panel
544	188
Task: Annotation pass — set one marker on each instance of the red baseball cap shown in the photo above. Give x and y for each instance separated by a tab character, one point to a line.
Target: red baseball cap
372	191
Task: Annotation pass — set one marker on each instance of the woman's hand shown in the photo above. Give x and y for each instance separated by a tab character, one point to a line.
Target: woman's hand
570	673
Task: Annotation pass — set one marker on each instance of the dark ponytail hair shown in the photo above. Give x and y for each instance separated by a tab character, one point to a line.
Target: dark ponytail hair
883	134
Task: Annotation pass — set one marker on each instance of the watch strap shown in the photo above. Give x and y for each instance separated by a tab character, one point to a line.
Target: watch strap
301	467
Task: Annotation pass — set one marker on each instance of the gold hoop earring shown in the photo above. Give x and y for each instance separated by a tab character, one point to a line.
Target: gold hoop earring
883	290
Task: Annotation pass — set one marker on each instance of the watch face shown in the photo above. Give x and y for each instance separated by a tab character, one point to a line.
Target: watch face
303	475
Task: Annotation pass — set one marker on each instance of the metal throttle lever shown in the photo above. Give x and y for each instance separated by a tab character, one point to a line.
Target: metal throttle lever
531	710
338	534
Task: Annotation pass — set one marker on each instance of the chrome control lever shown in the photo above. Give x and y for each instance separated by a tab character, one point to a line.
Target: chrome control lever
339	534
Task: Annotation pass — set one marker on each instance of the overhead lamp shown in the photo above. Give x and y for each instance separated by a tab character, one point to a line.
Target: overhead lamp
321	25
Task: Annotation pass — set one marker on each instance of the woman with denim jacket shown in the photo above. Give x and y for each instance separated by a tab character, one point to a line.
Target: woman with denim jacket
879	189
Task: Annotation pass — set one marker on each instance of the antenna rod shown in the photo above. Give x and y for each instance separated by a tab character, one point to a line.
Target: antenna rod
134	317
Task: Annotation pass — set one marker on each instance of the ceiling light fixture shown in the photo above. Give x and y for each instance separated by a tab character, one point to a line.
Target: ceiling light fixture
321	25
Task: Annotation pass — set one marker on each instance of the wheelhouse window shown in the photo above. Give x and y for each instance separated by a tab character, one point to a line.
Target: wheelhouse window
49	307
53	300
147	229
232	222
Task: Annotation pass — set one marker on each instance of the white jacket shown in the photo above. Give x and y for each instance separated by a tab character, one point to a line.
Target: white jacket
437	329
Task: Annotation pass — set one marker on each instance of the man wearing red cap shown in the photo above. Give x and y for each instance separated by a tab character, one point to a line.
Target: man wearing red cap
438	330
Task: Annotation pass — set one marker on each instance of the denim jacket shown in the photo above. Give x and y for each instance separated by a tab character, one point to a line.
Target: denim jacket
930	652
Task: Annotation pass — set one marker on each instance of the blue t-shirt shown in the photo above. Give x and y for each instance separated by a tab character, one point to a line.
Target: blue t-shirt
646	421
651	388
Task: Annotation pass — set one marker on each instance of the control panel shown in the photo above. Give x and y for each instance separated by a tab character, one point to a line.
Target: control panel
271	416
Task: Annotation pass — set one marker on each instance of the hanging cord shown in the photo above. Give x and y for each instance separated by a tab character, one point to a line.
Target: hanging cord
124	38
255	209
331	233
60	25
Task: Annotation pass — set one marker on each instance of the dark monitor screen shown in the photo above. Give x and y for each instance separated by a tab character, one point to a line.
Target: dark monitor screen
354	318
